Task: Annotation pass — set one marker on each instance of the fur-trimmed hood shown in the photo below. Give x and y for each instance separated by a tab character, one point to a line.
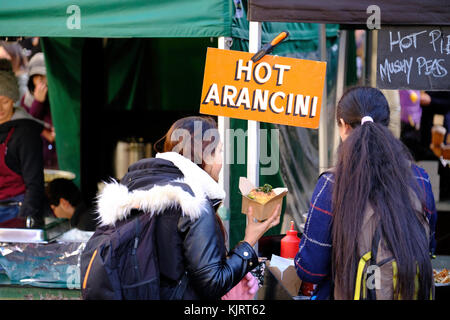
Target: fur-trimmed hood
153	185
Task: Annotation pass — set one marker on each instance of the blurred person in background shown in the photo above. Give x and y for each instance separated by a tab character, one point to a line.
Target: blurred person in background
433	103
411	114
36	102
66	202
31	46
21	163
13	52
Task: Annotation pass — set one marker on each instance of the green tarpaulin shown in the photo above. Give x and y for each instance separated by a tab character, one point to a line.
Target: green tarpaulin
160	73
115	18
63	60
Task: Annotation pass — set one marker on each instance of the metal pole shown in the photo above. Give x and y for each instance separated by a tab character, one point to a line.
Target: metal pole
368	64
253	126
254	44
223	124
340	82
323	124
373	55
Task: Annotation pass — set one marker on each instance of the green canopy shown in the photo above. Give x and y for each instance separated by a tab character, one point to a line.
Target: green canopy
134	76
115	18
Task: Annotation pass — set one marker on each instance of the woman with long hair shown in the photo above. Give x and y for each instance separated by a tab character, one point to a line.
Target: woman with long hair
374	193
179	188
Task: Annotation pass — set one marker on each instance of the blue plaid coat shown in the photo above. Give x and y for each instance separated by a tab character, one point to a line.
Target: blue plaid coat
313	260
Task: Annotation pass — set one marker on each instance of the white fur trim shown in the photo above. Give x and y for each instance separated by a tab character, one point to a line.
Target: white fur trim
115	202
199	181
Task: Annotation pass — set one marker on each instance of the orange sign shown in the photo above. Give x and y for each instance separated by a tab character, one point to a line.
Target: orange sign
274	89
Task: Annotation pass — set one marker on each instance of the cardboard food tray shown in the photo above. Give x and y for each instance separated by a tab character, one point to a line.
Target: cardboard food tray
260	211
288	279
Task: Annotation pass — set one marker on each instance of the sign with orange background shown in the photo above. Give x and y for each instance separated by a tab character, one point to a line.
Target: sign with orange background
274	89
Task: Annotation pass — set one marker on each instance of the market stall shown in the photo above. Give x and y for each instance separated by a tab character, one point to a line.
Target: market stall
72	35
145	44
138	79
369	15
107	61
349	15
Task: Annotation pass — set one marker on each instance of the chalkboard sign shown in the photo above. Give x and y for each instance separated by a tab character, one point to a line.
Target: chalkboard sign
413	58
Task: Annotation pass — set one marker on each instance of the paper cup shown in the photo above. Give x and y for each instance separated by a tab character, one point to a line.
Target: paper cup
437	135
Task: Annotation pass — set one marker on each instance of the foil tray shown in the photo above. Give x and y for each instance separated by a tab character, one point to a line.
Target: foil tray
22	235
53	228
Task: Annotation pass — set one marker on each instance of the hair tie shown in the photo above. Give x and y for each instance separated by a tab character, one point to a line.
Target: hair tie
366	119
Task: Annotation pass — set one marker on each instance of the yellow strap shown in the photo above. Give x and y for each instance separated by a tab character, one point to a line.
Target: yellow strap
394	275
364	286
416	281
89	269
359	274
416	284
394	278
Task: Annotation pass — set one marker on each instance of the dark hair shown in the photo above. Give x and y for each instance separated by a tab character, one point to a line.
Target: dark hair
63	188
374	167
5	65
195	127
30	83
173	142
14	50
31	86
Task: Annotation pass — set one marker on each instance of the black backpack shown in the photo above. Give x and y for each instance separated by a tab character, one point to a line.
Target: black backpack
121	263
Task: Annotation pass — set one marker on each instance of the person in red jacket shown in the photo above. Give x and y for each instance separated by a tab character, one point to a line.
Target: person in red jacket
21	165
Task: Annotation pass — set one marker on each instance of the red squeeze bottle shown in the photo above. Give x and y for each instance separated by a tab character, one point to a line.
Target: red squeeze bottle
290	243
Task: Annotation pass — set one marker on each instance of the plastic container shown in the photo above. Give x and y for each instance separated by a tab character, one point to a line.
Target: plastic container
289	243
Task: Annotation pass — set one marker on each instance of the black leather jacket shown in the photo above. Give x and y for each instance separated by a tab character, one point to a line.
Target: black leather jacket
190	239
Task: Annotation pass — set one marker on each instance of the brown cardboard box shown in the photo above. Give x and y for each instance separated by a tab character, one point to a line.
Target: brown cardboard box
288	279
260	211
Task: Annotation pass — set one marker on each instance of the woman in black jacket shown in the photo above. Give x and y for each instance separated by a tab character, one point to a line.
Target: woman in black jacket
184	195
21	162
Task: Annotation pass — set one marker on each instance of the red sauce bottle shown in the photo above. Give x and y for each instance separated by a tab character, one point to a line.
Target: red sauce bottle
290	243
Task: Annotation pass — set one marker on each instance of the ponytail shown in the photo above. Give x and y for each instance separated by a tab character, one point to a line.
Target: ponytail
373	167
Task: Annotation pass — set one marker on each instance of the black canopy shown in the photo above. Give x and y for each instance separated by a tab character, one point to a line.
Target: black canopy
351	12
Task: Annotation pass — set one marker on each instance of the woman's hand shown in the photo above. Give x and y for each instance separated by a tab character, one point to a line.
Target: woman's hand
49	135
40	91
244	290
255	229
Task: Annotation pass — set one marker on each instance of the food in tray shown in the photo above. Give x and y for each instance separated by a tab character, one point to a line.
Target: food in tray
442	277
262	194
